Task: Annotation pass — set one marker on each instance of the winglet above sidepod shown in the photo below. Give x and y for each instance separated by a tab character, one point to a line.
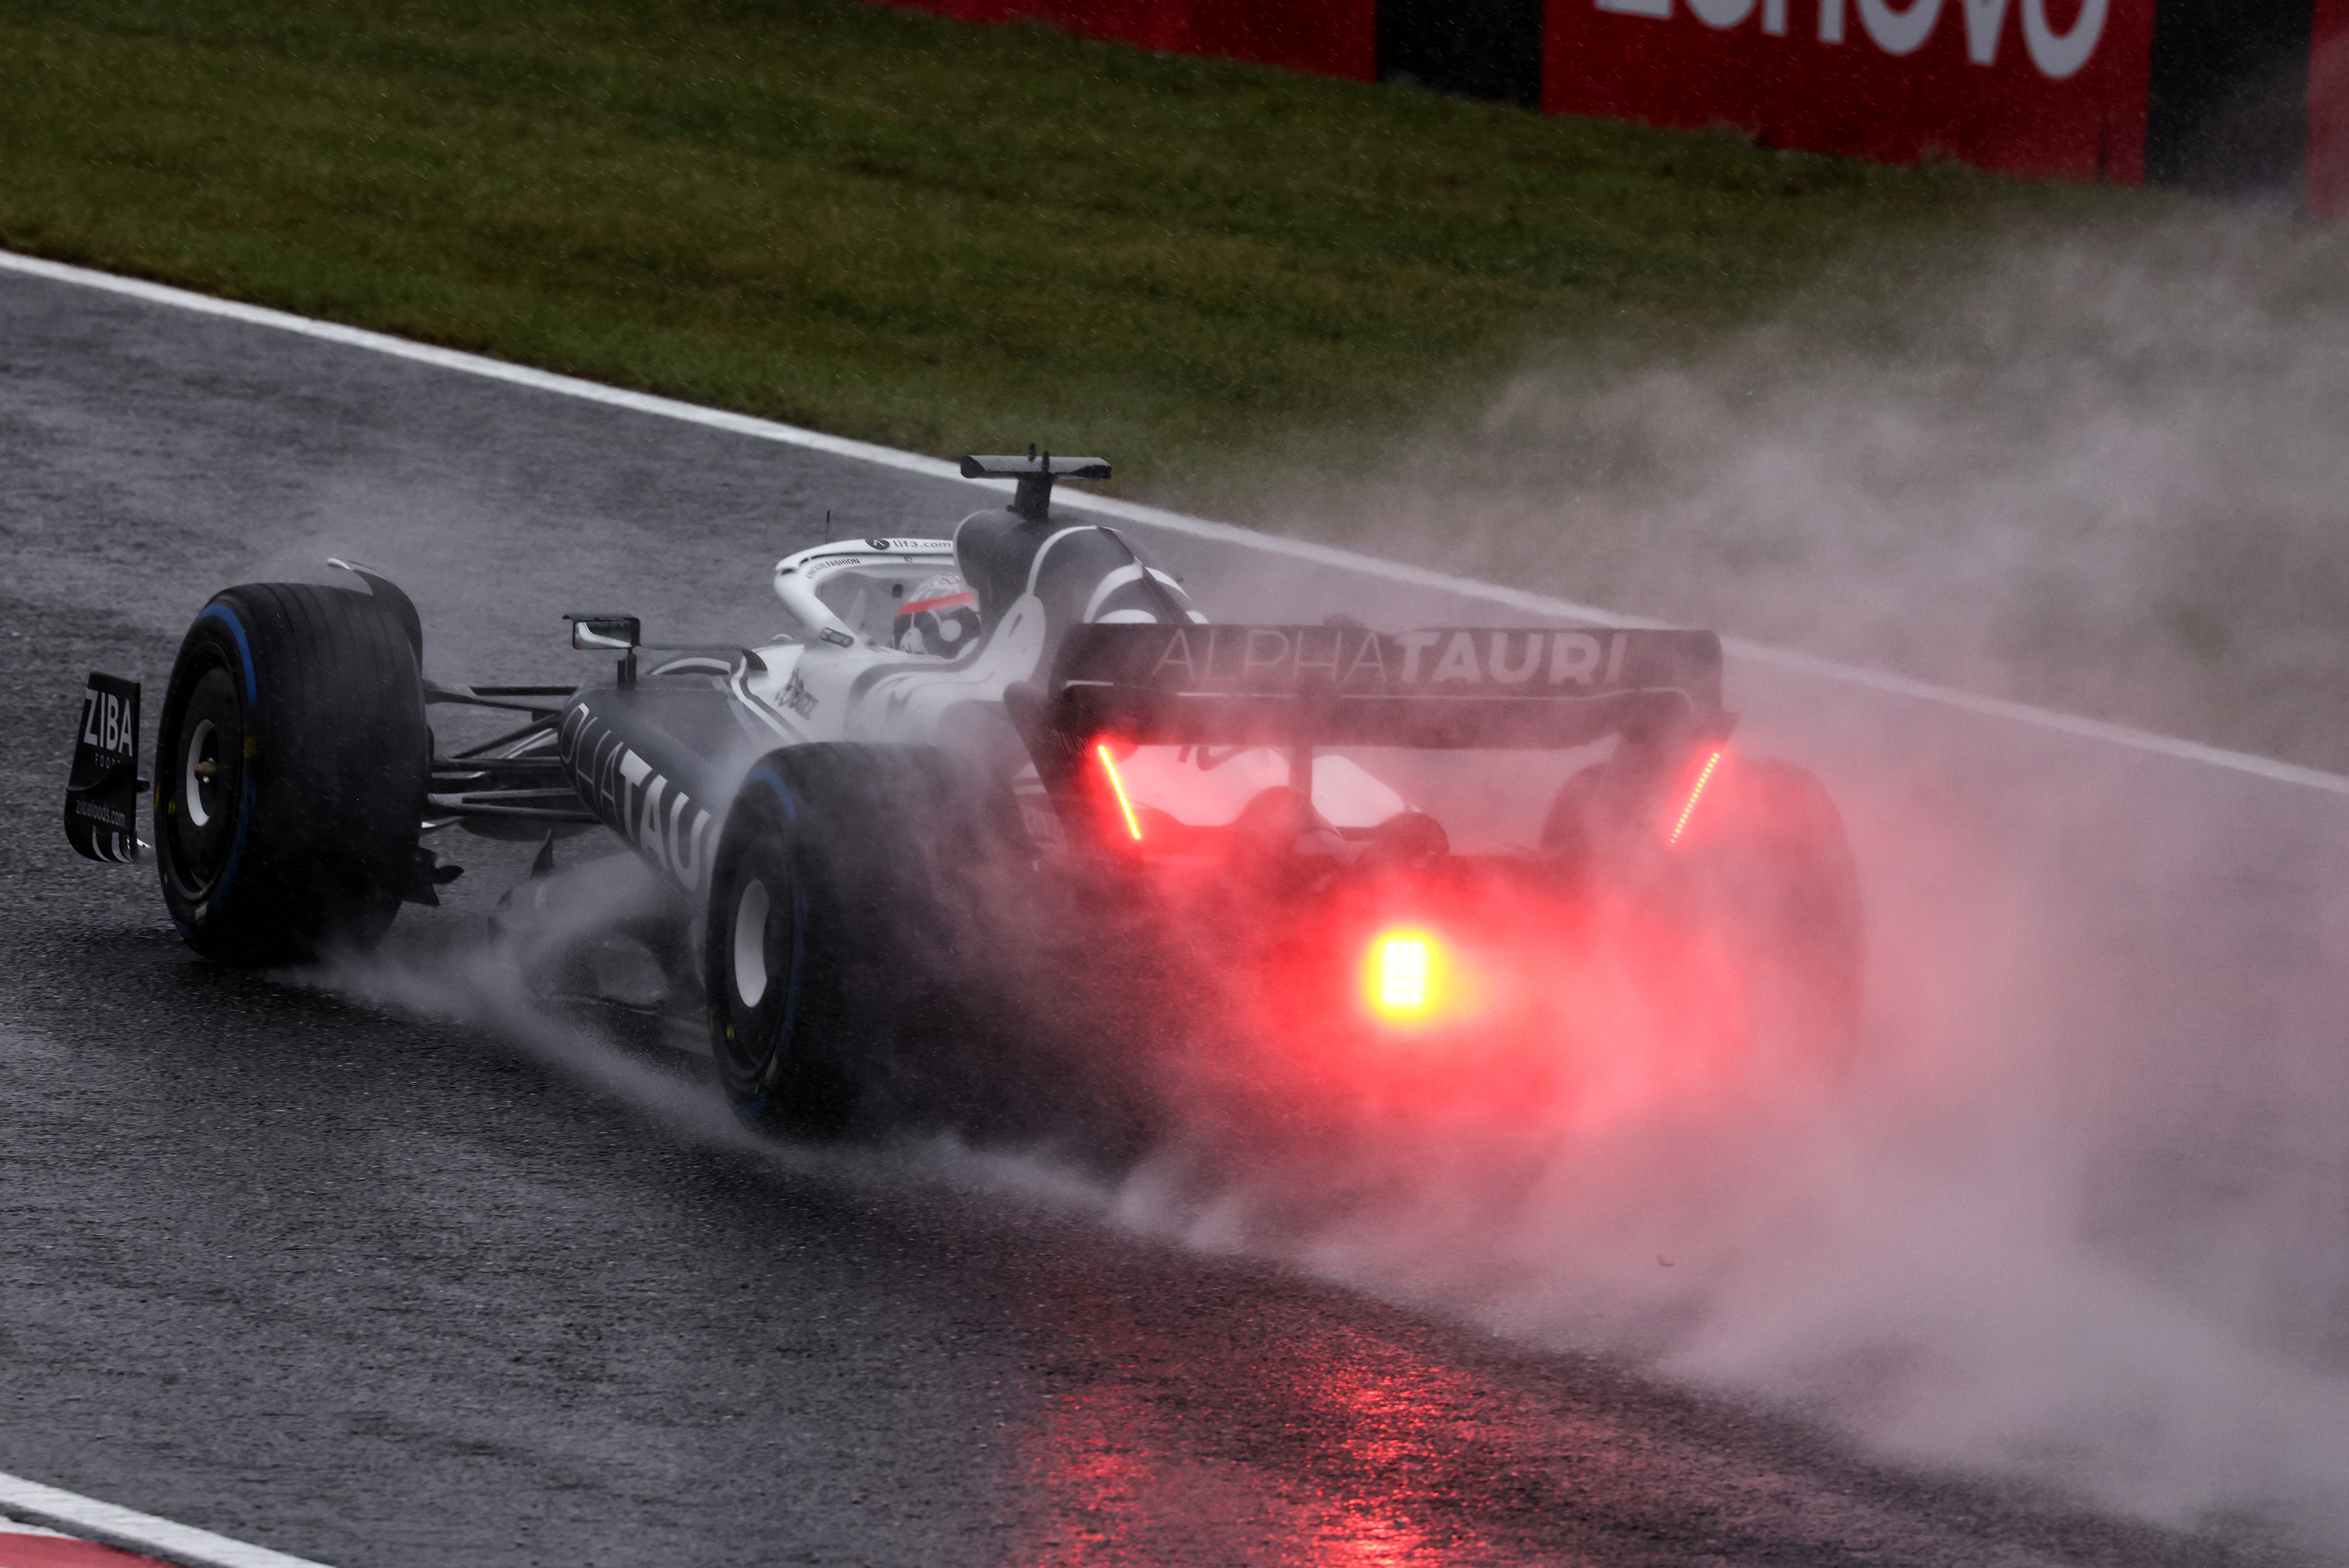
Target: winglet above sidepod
102	793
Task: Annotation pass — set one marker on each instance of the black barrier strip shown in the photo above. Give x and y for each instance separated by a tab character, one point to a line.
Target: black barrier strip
2226	103
1472	48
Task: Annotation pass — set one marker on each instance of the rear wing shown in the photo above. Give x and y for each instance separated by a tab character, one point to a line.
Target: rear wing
1342	685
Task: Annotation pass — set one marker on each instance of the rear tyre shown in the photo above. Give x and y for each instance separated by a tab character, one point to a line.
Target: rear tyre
1763	870
1772	870
839	948
292	762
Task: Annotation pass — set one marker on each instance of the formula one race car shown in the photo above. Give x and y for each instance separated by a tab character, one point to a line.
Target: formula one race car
1013	794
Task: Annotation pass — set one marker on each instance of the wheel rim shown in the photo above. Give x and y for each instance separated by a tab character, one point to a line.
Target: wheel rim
196	778
750	965
210	779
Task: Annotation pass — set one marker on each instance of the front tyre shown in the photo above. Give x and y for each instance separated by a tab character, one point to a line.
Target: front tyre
292	762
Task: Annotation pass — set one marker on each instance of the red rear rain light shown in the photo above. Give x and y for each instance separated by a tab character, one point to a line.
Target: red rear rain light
1695	793
1403	976
1117	786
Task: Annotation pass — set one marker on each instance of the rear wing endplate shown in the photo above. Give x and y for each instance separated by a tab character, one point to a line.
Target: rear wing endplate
1344	685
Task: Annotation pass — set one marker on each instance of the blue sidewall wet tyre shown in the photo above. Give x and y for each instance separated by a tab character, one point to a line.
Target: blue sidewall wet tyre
308	854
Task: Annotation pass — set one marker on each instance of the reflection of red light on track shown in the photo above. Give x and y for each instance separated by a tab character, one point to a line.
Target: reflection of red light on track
1109	766
1695	793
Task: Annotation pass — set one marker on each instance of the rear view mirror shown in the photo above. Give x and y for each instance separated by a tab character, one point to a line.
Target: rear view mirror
620	632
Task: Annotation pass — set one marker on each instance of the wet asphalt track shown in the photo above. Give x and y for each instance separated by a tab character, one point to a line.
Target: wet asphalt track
383	1291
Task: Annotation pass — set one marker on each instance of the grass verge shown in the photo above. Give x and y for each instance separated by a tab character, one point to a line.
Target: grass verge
913	231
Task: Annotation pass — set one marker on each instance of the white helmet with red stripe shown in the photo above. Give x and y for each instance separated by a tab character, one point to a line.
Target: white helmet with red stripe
940	617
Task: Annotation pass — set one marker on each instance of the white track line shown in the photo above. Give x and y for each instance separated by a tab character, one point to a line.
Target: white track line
134	1531
1173	522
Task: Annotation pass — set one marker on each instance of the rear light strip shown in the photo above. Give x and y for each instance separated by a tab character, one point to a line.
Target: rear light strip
1687	811
1109	766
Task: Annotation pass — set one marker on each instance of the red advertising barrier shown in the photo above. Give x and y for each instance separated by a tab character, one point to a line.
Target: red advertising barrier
2032	86
1327	38
2328	110
2116	90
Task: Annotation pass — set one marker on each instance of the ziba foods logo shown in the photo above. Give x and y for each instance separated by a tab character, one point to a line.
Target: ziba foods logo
1898	29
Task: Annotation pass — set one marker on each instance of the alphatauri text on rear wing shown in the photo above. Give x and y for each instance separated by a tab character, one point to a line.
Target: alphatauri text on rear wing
1345	685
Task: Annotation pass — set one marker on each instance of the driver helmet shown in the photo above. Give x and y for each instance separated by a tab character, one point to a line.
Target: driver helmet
939	617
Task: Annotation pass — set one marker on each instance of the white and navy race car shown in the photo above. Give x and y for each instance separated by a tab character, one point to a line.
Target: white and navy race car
1013	787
